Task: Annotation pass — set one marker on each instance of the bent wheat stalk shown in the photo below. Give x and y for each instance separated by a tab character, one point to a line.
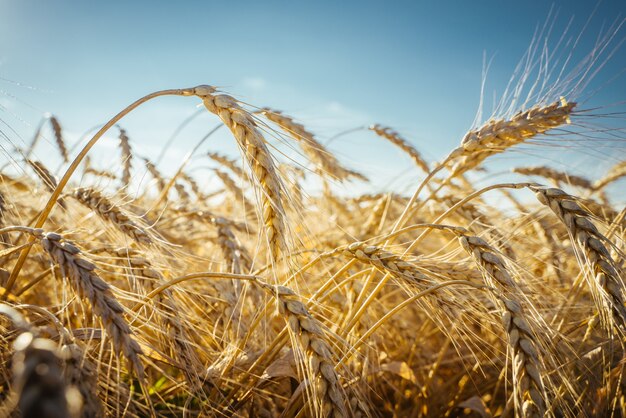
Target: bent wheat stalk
43	216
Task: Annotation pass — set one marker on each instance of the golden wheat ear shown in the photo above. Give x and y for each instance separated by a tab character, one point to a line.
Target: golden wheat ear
127	157
257	155
83	278
607	286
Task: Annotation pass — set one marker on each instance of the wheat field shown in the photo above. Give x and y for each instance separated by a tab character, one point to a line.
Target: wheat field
266	297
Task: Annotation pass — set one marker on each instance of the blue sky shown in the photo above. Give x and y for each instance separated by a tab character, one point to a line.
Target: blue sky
413	65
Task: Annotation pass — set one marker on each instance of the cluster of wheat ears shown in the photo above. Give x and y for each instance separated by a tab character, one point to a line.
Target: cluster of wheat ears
260	299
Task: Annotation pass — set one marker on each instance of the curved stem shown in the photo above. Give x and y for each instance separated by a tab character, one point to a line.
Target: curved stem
349	131
461	203
408	211
180	127
43	216
398	308
192	276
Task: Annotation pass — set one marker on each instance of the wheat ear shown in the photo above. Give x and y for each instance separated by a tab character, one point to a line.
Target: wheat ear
58	138
195	188
155	173
258	157
228	163
127	156
232	187
384	260
176	336
327	163
80	373
313	342
45	175
609	284
395	138
500	134
89	169
615	173
530	399
39	380
110	212
83	279
4	238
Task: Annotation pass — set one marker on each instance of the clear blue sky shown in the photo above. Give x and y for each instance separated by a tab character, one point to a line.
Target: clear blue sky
414	65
